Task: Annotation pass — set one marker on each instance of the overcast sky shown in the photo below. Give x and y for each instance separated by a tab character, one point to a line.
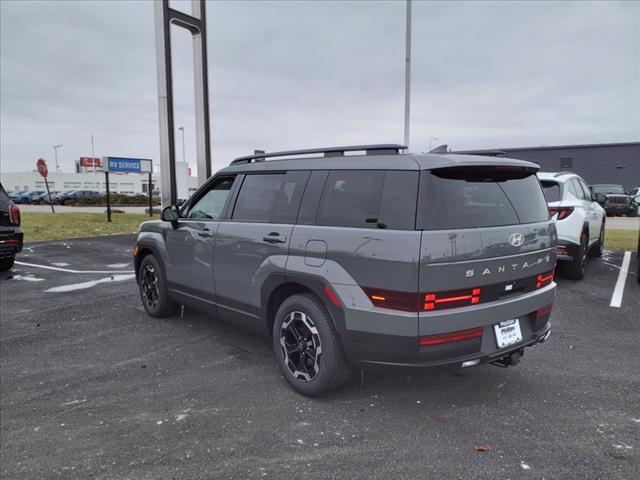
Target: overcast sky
301	74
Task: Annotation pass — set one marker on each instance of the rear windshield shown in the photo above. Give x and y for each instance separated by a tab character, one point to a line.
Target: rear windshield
552	191
474	197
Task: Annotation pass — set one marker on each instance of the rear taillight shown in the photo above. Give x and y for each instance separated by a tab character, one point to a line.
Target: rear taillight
563	212
14	214
404	301
451	337
544	279
451	299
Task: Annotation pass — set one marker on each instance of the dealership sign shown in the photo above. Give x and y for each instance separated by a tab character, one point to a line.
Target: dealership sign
127	165
90	162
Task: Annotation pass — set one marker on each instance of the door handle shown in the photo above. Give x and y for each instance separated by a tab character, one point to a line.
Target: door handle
204	233
274	237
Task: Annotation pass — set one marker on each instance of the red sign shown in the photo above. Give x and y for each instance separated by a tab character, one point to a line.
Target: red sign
42	167
90	162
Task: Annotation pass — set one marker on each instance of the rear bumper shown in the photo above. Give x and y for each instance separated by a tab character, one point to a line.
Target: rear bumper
10	243
389	350
567	251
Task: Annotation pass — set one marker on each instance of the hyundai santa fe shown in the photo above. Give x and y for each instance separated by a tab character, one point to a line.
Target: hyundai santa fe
362	257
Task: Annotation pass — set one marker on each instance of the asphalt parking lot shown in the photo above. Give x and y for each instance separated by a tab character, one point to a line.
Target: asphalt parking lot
94	388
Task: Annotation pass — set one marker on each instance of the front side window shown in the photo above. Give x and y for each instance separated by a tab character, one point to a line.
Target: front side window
211	204
270	197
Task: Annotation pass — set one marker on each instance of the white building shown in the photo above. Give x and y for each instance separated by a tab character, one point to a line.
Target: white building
118	182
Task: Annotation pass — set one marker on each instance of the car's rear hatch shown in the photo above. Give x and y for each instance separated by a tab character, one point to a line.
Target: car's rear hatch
486	237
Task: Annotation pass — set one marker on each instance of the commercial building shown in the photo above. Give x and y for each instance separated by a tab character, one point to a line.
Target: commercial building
615	163
86	179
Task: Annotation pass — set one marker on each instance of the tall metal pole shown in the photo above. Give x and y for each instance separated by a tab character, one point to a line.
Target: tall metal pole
55	151
182	131
407	76
93	157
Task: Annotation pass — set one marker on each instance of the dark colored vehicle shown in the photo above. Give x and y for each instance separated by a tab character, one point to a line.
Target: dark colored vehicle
67	197
15	195
614	200
10	233
43	198
377	260
27	197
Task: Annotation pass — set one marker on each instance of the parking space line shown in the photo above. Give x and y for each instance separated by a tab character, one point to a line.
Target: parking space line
616	298
68	270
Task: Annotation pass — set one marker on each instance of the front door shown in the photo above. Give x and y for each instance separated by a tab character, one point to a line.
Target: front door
252	246
190	243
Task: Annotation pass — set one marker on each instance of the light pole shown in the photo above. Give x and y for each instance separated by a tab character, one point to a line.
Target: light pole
432	138
407	75
55	153
186	167
182	131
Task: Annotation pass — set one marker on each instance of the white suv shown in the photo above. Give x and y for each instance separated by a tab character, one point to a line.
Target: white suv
579	219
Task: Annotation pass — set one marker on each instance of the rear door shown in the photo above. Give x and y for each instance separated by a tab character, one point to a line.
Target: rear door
253	244
485	231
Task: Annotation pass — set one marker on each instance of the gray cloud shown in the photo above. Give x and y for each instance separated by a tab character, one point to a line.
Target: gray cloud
303	74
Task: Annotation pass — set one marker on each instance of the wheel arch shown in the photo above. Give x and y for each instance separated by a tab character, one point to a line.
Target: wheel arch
274	296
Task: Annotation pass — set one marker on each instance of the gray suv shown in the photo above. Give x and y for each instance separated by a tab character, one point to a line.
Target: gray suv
377	259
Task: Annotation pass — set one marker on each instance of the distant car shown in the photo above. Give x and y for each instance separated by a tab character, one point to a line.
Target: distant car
15	195
67	197
580	220
27	197
10	232
42	198
614	200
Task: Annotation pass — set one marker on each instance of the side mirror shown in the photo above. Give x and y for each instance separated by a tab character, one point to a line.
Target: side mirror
601	197
170	214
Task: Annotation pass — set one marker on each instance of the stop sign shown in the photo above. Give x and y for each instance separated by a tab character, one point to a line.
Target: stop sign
42	167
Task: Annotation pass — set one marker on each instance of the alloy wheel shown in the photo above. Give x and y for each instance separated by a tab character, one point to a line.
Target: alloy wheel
300	343
149	284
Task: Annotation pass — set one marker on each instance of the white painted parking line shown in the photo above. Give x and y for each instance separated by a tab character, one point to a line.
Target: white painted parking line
616	298
68	270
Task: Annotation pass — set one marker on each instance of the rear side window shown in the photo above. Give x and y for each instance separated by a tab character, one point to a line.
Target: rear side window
474	197
270	197
552	191
369	199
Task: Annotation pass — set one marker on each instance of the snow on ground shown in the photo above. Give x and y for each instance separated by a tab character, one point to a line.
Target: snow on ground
90	284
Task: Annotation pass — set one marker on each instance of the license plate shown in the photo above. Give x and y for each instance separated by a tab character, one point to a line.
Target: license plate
508	333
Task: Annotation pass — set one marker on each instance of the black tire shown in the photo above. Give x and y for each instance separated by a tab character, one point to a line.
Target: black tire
303	324
632	213
596	250
575	268
154	293
6	263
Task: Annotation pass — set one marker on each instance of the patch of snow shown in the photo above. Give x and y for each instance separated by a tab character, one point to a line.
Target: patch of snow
60	264
28	278
118	265
637	420
159	422
525	466
90	283
73	402
181	416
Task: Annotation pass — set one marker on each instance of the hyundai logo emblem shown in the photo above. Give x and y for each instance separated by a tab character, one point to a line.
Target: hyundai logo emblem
516	239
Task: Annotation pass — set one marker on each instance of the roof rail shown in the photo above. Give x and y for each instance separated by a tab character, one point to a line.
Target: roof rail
380	149
559	174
